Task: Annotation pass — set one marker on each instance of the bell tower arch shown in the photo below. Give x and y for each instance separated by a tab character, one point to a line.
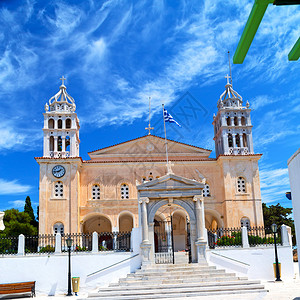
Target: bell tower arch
61	126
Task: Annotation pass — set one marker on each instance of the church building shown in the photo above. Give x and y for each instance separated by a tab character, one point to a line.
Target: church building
121	185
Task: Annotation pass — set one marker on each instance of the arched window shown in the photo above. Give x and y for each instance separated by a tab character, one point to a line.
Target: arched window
51	143
241	185
235	121
230	140
245	222
228	121
51	124
68	123
67	143
59	124
124	191
59	144
206	191
58	189
96	192
237	140
243	121
245	140
58	228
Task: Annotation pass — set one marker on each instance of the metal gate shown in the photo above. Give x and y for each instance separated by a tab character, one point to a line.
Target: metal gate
164	242
188	240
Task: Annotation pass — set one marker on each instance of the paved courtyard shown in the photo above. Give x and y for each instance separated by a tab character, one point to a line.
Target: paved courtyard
285	290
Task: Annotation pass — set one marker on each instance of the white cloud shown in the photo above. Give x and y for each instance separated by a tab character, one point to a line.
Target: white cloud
17	203
261	101
274	182
9	138
12	187
14	134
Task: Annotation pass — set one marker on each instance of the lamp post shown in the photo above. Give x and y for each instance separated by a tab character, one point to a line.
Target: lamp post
69	244
274	230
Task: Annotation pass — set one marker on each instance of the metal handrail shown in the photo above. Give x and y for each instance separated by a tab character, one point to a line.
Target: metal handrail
119	262
241	262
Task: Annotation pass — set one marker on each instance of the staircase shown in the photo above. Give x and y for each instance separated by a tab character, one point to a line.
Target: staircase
178	280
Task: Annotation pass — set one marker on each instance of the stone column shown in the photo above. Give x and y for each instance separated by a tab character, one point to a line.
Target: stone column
55	144
285	241
95	245
63	144
241	140
21	245
57	243
200	222
233	139
239	121
145	245
2	213
245	240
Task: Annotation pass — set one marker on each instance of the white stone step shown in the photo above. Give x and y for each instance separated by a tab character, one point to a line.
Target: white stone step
176	292
182	269
180	272
178	281
176	285
165	276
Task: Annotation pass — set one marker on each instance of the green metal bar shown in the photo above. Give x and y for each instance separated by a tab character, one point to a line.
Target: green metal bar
286	2
255	17
295	52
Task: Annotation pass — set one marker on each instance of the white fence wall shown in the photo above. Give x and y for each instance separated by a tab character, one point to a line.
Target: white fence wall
50	271
255	263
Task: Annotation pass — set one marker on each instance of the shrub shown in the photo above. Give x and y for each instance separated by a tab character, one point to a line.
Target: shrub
80	249
47	249
235	239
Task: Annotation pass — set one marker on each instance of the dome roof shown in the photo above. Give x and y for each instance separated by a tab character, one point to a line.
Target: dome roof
61	101
229	98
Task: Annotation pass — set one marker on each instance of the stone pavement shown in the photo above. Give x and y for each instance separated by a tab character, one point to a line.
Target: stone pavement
284	290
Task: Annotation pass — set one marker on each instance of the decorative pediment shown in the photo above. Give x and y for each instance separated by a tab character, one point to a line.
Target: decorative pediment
169	186
149	147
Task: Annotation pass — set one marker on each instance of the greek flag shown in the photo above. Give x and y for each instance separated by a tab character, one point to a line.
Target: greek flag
169	118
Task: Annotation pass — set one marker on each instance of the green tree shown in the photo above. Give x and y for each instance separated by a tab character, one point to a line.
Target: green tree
17	222
28	209
279	215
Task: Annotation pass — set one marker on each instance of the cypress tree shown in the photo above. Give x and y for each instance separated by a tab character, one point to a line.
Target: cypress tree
29	210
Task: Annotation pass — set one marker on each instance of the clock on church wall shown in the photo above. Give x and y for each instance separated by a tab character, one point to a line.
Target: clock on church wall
58	171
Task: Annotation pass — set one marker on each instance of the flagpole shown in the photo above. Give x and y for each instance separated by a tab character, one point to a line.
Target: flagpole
166	143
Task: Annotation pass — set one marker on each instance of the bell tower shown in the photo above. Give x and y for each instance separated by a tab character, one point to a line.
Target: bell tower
61	126
232	124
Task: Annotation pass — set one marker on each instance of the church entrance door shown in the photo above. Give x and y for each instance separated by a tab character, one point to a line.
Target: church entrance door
164	241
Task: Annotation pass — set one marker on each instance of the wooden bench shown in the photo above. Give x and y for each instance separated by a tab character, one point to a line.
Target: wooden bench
19	287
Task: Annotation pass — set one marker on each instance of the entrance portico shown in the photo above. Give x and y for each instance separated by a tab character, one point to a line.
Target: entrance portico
171	189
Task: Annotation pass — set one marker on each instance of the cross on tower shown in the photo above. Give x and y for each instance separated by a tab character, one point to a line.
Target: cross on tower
149	128
62	80
227	77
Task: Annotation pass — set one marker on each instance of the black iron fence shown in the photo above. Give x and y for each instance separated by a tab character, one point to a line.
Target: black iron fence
45	243
224	237
9	245
118	241
232	237
81	242
262	236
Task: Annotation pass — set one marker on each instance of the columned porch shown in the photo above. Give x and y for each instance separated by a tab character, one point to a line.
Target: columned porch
172	191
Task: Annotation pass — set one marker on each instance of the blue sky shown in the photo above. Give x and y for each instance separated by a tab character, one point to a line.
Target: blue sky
115	54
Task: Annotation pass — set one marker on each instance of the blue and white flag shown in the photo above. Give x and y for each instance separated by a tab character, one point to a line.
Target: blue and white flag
169	118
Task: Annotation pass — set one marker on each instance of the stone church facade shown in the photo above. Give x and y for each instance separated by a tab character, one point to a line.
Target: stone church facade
103	194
